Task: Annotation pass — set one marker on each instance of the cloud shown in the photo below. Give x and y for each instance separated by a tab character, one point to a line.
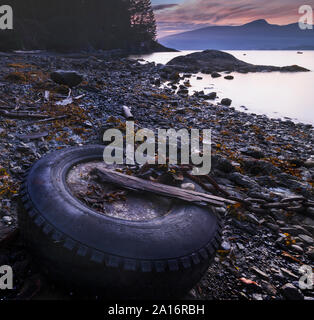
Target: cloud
227	12
159	7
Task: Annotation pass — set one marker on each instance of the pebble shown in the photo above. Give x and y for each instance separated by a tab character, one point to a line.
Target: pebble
306	239
260	273
7	219
226	246
297	248
188	186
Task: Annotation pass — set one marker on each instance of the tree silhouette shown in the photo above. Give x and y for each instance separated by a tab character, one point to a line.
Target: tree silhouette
143	25
79	24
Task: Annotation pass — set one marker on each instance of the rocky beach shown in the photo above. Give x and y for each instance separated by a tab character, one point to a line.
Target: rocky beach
267	164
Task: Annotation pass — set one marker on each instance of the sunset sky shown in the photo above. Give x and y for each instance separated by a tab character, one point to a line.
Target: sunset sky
175	16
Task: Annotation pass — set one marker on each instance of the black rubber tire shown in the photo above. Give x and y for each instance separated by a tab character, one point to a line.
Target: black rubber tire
164	257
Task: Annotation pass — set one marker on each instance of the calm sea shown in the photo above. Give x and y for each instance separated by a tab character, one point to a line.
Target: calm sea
278	95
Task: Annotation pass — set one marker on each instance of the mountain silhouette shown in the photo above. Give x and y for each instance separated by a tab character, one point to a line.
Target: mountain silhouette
256	35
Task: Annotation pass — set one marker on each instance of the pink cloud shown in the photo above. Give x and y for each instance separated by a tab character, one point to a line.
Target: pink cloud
227	12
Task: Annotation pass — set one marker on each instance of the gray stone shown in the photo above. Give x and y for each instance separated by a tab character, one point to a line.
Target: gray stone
290	292
215	75
226	246
307	239
309	163
226	102
311	254
68	78
243	181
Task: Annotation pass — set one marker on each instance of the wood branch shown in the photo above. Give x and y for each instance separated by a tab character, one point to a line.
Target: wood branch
46	120
136	184
22	115
52	119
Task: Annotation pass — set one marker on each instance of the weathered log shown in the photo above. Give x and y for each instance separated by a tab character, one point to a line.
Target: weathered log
140	185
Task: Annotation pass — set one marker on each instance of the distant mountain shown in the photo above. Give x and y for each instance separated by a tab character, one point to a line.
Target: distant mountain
258	35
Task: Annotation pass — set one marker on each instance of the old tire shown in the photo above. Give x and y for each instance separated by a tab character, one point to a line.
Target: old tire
164	257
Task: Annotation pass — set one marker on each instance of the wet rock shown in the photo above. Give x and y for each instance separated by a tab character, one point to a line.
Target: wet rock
68	78
218	61
290	292
269	288
309	163
183	91
260	167
226	102
216	75
222	164
252	218
311	254
243	181
306	239
174	76
225	246
254	152
272	226
7	219
212	96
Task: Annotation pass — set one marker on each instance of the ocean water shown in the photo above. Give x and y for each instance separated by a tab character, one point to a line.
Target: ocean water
276	94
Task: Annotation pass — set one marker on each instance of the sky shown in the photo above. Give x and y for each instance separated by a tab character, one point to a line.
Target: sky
174	16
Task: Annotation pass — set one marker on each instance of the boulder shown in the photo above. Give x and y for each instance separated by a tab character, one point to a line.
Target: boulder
226	102
213	61
290	292
68	78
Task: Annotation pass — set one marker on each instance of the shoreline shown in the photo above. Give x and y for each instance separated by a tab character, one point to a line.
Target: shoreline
253	157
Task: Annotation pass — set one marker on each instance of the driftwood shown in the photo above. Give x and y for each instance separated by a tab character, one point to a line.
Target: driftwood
137	184
32	136
22	115
52	119
127	113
